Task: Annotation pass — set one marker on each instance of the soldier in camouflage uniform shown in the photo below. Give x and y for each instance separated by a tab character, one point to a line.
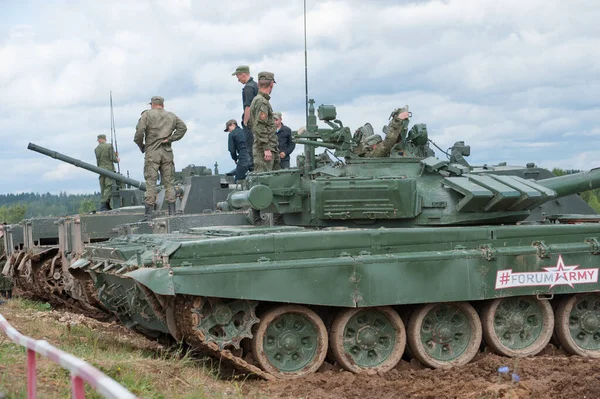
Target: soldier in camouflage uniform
105	158
154	133
6	284
266	145
396	131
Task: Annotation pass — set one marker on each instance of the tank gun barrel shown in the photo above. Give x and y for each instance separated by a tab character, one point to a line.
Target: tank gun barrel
87	166
573	183
258	197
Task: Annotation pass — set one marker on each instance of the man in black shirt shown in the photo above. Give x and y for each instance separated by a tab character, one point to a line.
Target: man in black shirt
286	142
249	91
238	149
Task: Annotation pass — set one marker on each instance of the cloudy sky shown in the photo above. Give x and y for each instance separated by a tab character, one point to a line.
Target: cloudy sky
517	80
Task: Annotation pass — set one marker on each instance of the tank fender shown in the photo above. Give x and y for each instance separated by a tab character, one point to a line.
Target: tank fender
160	281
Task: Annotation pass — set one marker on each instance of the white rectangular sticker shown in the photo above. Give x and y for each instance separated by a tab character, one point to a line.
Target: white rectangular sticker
551	276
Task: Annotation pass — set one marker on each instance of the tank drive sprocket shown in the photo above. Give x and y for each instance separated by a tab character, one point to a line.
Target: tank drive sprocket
224	322
187	307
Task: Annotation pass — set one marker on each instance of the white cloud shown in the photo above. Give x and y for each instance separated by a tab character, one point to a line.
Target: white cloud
518	81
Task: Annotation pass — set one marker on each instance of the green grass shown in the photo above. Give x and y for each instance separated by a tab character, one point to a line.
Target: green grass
142	366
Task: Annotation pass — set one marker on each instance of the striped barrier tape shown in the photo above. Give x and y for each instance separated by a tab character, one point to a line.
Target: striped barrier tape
80	370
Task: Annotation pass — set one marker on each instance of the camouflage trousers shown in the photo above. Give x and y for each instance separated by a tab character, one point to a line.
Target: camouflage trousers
6	283
159	161
105	188
260	165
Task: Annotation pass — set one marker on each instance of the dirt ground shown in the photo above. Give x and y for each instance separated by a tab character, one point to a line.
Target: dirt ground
549	375
545	376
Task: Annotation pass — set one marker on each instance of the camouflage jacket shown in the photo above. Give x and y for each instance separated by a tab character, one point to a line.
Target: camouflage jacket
154	126
105	156
262	124
5	282
396	132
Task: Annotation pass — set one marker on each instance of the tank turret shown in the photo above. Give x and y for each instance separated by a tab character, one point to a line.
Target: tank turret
406	187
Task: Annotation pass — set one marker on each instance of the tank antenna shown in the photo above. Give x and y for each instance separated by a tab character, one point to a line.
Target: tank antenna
113	131
305	68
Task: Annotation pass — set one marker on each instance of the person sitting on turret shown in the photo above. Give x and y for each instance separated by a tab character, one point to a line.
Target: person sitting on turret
372	145
397	129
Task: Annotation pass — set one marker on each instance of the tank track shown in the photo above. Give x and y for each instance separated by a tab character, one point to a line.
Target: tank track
196	339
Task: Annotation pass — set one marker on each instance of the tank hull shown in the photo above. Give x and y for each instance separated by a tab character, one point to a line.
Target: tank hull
173	284
374	267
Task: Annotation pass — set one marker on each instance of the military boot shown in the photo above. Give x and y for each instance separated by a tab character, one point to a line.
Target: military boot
171	207
278	219
148	209
255	217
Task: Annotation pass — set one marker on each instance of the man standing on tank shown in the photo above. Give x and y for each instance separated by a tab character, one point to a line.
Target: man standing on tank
266	146
238	149
249	91
286	142
154	133
105	159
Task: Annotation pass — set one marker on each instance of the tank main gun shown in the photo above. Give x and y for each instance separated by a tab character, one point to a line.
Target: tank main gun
84	165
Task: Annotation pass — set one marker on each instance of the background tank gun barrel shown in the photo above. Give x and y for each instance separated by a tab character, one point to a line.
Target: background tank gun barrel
573	183
87	166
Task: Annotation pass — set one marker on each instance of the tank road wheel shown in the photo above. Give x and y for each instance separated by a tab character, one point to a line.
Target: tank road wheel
578	324
442	335
371	339
517	326
290	341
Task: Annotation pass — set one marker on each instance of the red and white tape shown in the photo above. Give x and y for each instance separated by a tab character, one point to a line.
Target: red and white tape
79	369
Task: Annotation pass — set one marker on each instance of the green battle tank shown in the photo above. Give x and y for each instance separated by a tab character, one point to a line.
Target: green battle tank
385	246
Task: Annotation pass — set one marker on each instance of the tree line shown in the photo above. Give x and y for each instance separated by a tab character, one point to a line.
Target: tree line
16	207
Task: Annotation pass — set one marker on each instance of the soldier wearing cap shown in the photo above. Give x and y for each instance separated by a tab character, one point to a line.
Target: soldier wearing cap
266	146
154	133
249	91
286	142
238	150
105	158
